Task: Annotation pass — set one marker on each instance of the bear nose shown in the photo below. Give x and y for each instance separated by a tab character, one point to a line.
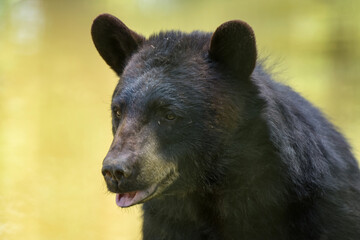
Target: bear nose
115	172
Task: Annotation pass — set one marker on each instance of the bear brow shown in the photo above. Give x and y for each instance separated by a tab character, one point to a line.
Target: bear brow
118	102
160	103
164	104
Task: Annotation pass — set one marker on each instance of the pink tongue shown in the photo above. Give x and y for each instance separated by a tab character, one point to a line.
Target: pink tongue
125	199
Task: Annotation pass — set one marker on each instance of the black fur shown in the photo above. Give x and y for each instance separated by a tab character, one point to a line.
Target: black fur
243	158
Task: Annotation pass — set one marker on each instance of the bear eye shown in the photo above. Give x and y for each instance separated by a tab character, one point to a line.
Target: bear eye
118	113
170	116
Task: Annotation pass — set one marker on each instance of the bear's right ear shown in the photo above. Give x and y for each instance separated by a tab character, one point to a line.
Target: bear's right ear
114	41
233	46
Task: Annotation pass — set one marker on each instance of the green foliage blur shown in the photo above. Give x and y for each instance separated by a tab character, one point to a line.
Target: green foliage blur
55	96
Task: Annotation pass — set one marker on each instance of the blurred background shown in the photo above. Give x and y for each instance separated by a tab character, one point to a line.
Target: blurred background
55	95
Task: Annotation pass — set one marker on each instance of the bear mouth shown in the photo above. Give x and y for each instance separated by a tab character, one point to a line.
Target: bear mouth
129	199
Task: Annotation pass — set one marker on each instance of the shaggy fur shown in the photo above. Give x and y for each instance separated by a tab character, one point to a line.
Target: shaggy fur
231	153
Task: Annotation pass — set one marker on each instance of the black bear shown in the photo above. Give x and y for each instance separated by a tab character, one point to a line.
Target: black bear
214	148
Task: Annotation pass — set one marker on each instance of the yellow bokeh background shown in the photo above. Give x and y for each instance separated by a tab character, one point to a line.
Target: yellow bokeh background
55	95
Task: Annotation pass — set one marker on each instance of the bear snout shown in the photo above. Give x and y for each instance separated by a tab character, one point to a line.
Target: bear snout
115	170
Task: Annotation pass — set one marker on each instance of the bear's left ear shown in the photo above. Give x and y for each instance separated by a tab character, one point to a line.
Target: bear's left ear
233	46
114	41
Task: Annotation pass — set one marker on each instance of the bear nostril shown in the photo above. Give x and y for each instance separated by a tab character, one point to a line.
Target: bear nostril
106	172
115	172
120	173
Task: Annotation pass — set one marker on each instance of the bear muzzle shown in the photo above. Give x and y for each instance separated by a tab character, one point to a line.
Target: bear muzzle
117	169
121	177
